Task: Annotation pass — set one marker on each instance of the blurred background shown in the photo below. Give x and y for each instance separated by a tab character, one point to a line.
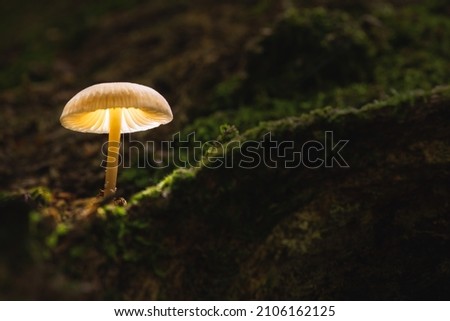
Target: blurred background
241	63
238	62
51	51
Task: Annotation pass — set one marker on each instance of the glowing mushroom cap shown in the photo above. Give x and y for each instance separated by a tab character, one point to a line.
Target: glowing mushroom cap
142	108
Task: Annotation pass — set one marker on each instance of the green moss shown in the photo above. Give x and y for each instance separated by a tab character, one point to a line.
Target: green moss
41	195
138	177
197	235
77	251
227	133
304	53
4	197
319	57
170	182
367	76
60	230
397	106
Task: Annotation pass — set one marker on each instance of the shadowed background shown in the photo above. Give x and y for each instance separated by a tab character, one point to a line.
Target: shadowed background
374	73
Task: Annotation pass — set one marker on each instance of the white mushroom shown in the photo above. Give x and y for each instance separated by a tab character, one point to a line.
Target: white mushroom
115	108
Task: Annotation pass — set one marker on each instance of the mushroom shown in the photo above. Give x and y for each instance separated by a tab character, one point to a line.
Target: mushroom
115	108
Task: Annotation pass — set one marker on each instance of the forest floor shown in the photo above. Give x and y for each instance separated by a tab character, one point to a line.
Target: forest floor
375	75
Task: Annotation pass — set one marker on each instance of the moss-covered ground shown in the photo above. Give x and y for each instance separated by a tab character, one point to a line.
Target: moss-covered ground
368	221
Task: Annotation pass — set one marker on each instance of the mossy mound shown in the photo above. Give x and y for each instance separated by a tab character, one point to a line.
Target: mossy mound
362	232
314	57
368	219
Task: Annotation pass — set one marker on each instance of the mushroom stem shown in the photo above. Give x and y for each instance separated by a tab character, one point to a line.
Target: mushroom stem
115	119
